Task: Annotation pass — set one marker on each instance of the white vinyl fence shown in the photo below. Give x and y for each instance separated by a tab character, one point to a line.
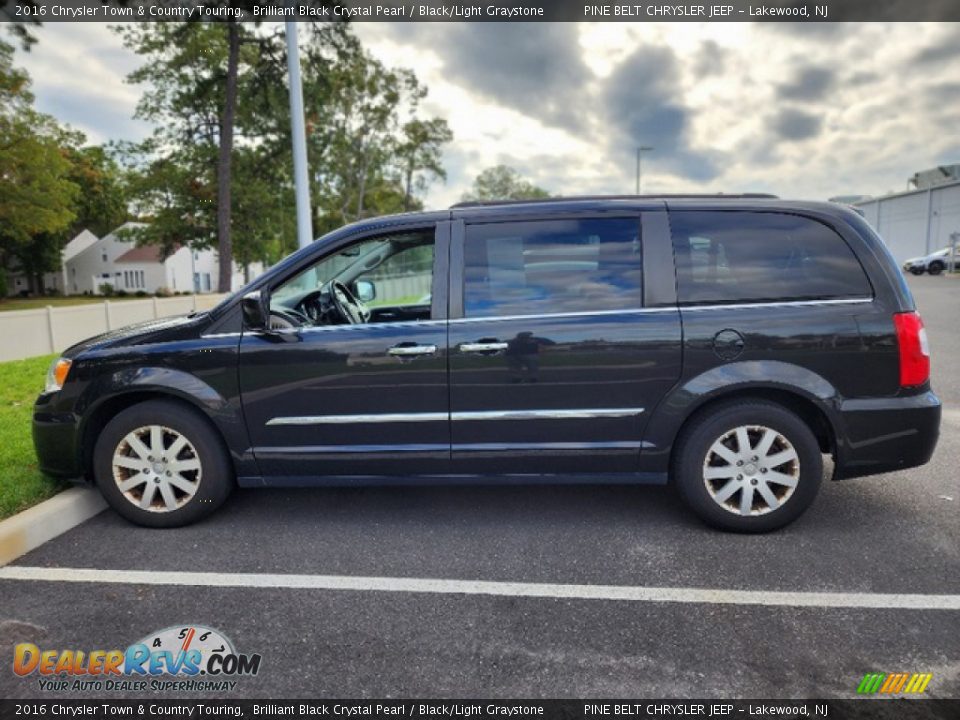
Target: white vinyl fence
395	287
27	333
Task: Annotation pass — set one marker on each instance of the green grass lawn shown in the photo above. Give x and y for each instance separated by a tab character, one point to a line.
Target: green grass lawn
32	303
21	483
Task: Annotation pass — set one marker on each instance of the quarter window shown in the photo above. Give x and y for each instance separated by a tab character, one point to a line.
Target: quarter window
558	266
728	257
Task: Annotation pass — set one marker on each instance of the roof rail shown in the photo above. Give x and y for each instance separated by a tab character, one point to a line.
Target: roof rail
677	196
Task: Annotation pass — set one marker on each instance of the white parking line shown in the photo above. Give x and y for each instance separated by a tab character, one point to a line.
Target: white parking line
882	601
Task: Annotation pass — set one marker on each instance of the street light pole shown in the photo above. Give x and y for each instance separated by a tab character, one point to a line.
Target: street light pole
640	150
299	137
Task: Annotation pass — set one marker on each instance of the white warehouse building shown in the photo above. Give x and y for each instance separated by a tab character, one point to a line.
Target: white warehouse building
916	222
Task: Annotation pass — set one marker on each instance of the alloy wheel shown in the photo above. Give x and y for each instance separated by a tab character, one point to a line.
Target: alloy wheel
751	470
157	468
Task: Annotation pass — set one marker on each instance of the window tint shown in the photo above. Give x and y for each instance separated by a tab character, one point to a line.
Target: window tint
402	279
537	268
755	257
397	270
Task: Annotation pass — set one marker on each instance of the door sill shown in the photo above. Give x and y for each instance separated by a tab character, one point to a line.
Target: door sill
293	481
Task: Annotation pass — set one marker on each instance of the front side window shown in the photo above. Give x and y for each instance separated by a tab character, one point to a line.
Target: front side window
362	283
555	266
734	256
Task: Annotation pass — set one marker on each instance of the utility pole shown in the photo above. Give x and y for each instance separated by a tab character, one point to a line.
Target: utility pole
640	150
299	137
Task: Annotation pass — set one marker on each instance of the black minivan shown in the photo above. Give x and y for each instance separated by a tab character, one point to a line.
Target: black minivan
720	343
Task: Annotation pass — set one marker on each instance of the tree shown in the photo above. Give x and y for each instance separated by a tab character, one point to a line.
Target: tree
102	202
37	195
219	93
99	205
51	187
371	151
264	216
502	182
172	193
208	84
21	28
420	151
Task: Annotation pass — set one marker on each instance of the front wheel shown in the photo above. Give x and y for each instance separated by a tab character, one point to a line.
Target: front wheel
161	464
750	466
916	270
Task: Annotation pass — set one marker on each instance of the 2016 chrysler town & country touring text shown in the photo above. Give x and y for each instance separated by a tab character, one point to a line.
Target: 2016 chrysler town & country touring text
724	344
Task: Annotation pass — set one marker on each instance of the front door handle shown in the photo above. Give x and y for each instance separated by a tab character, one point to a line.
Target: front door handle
403	350
480	347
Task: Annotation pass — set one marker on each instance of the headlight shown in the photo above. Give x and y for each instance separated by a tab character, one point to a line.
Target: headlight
57	374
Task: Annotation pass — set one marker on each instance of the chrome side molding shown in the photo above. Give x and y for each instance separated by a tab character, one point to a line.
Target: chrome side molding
564	414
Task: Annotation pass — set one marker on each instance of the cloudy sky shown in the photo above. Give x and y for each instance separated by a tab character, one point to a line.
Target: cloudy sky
801	111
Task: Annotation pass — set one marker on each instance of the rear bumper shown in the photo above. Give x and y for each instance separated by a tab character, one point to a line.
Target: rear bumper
879	435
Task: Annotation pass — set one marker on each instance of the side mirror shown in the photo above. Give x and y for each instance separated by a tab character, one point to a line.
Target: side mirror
366	291
256	310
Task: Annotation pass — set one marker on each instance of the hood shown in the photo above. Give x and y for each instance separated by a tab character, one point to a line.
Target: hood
162	329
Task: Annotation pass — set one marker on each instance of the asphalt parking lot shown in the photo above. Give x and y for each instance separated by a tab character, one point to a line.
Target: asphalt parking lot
894	534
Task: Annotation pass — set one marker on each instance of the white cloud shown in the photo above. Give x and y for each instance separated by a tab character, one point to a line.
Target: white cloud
78	72
800	111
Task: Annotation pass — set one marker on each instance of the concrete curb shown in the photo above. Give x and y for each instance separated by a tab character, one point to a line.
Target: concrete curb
31	528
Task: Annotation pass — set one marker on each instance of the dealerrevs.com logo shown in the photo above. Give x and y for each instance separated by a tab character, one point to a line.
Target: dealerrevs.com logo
186	657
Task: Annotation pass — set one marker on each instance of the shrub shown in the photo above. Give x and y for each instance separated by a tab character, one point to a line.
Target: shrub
163	292
106	289
122	293
141	293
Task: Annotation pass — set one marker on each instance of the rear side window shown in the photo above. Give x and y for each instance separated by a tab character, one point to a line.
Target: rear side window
555	266
726	257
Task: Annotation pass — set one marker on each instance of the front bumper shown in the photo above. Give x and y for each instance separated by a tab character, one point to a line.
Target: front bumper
55	438
879	435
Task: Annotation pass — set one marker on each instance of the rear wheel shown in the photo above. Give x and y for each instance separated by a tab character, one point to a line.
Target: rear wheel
749	466
935	268
160	464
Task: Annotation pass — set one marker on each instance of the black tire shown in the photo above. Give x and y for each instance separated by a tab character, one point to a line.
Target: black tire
935	268
215	475
704	430
916	271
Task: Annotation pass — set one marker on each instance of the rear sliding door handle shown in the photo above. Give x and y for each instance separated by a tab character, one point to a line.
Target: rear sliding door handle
412	350
479	347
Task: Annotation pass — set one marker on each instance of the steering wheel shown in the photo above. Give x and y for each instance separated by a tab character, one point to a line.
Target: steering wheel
347	306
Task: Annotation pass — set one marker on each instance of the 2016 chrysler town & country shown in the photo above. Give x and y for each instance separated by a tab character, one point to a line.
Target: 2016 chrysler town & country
724	344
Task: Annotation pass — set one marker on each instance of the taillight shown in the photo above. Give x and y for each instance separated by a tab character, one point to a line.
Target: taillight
914	350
